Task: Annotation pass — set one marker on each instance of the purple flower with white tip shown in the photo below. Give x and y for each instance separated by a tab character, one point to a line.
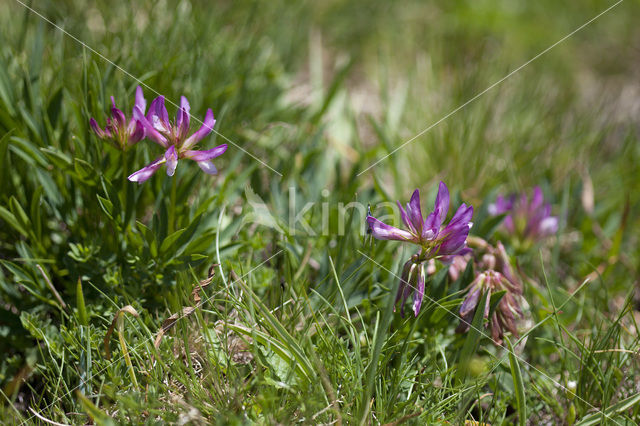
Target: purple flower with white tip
121	132
173	137
435	240
528	220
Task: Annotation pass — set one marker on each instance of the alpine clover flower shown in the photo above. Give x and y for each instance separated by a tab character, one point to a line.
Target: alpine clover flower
434	240
529	220
497	276
121	132
173	137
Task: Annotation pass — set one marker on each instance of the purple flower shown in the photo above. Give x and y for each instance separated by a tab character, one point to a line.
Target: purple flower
498	275
528	220
504	316
435	241
173	137
119	131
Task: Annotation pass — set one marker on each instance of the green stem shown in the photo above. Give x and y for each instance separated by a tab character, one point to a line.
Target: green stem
172	205
379	338
124	184
125	351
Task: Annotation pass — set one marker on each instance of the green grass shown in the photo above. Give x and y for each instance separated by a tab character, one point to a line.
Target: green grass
296	325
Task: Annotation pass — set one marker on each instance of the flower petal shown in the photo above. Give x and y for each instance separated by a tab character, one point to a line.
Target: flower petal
149	130
404	279
404	216
205	155
463	215
141	102
442	204
454	243
146	172
118	118
204	130
383	231
413	269
98	131
158	116
172	160
415	213
536	200
455	234
137	134
182	118
470	302
208	167
548	226
418	295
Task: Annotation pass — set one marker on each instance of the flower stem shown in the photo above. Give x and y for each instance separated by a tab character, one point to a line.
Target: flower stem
380	336
172	205
124	185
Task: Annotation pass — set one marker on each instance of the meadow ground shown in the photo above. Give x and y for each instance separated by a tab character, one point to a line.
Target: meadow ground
263	293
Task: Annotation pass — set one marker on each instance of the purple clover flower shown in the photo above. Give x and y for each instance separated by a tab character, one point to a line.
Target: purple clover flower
119	131
173	138
529	220
434	240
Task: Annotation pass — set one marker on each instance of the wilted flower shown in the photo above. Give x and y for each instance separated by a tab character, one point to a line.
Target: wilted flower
173	137
497	275
528	220
435	241
506	312
122	132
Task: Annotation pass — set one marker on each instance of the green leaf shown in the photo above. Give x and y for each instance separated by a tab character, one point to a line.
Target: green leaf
169	242
36	207
98	416
82	311
106	206
495	299
518	383
59	159
618	408
290	344
85	171
28	151
111	194
490	225
11	220
474	335
278	347
54	107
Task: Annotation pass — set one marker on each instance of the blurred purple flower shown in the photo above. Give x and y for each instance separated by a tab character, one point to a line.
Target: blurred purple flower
529	220
435	241
173	138
119	131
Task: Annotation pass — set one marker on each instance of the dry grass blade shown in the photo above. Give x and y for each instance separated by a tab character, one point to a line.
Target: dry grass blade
44	419
128	309
52	288
188	310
